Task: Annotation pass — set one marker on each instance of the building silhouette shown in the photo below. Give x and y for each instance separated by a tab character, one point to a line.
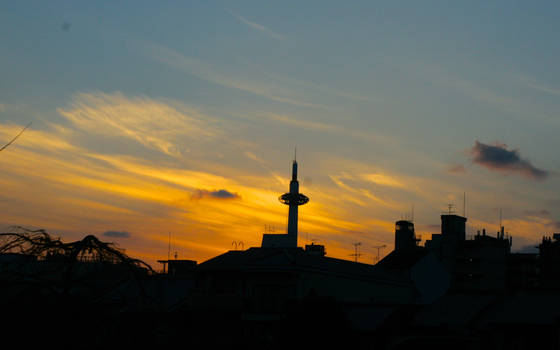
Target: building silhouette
479	263
455	291
405	238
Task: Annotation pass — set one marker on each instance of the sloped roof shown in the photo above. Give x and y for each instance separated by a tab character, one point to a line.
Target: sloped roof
293	259
403	258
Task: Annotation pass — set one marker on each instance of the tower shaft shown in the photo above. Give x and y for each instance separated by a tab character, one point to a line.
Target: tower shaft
292	199
293	211
293	221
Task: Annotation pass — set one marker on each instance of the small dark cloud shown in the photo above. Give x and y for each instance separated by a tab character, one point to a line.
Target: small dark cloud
66	26
116	234
497	157
217	194
556	225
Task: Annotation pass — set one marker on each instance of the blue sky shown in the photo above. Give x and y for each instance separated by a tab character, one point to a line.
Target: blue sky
385	101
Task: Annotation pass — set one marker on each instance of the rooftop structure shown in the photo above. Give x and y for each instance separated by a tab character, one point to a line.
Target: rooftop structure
405	238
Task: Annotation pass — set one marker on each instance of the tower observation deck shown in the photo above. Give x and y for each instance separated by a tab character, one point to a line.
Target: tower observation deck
293	199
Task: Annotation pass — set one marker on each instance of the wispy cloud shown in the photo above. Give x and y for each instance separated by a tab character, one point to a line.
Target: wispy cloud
456	169
281	180
543	213
320	126
152	123
258	27
482	93
302	123
497	157
352	184
545	89
210	73
383	180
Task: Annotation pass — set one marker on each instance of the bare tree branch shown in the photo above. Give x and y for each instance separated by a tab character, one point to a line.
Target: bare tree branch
15	138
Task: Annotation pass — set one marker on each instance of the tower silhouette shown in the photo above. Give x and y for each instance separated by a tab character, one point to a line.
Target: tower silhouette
293	199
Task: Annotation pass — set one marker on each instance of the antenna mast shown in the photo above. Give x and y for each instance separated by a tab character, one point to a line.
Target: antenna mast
169	247
356	254
500	218
378	248
450	208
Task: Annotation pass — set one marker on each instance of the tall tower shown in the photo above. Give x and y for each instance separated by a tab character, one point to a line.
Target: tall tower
293	199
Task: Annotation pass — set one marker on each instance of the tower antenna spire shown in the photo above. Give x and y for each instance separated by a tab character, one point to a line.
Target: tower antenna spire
295	154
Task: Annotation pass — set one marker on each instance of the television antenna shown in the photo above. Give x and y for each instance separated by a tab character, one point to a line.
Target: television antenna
236	244
378	247
450	209
356	254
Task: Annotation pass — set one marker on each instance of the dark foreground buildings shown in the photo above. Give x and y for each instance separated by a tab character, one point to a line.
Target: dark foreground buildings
454	292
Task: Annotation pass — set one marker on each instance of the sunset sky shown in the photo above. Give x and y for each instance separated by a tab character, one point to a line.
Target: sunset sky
151	119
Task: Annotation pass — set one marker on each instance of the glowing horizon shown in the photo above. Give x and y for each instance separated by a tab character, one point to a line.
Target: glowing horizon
183	119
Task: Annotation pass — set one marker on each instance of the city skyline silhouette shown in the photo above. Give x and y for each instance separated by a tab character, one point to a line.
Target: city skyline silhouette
340	138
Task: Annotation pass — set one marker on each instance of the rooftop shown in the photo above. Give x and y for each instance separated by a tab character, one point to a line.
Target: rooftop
295	259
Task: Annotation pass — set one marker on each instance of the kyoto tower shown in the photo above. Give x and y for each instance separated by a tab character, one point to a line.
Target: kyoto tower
293	199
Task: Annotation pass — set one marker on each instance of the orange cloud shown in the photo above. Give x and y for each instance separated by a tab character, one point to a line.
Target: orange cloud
152	123
53	179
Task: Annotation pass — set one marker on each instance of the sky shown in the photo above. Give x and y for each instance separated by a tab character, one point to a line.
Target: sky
170	127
